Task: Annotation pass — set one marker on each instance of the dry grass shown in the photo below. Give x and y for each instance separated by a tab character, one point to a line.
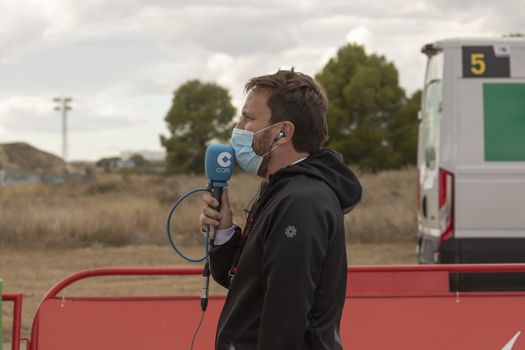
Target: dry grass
113	211
387	213
127	210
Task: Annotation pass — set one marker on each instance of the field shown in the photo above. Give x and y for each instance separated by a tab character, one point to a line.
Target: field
48	233
119	210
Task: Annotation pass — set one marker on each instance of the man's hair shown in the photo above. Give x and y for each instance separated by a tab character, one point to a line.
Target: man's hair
297	98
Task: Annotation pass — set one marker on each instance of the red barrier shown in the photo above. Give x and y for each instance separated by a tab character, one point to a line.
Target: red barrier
387	307
16	298
412	307
98	322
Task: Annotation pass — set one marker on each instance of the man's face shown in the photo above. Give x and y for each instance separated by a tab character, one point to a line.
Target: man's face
255	113
256	116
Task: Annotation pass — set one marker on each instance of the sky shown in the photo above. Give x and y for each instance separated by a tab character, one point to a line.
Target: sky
121	60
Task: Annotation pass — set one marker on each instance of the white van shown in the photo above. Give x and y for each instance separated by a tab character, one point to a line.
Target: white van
471	152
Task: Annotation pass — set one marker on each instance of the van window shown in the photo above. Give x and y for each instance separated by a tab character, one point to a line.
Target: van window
432	114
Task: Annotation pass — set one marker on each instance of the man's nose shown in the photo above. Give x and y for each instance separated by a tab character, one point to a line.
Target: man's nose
240	124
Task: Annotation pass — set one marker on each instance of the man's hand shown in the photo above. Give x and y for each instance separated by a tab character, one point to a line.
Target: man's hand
211	217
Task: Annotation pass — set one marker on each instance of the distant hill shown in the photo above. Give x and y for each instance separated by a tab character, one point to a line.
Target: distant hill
22	157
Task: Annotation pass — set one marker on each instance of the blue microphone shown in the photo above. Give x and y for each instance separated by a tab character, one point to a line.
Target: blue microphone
219	163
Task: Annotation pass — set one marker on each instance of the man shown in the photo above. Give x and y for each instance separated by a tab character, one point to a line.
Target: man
286	271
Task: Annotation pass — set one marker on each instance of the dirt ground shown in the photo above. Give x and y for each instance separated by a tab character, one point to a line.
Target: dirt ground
34	272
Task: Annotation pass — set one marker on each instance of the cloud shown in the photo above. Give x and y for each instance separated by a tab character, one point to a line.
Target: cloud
25	25
360	35
19	30
36	115
327	55
122	60
23	110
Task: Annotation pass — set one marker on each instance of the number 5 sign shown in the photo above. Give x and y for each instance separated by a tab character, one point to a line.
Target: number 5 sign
484	62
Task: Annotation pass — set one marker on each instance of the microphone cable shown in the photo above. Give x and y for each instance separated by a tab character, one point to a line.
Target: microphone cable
196	331
168	228
205	258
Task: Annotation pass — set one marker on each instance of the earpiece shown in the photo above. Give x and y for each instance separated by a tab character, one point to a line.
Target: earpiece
279	136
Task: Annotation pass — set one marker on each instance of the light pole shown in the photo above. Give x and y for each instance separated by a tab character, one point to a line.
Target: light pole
63	105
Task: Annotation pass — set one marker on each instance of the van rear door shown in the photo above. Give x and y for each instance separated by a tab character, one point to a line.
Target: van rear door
490	174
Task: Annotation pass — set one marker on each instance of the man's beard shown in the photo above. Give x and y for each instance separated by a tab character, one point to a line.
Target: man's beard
262	146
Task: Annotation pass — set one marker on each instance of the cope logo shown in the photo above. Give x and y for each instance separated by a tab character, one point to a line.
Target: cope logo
224	160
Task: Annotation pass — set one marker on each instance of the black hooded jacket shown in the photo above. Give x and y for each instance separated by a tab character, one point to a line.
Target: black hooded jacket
289	285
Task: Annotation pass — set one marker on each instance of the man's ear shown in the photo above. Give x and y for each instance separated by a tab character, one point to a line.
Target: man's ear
286	133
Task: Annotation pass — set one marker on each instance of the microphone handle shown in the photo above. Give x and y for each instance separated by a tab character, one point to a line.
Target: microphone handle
217	194
205	286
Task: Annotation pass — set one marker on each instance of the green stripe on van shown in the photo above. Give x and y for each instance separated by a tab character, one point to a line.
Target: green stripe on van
504	110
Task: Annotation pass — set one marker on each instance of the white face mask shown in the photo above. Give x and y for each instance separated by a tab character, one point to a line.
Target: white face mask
242	143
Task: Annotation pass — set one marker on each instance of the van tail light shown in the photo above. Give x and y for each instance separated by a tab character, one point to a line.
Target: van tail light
446	205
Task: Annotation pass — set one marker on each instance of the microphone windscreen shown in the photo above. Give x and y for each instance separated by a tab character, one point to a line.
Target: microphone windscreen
219	162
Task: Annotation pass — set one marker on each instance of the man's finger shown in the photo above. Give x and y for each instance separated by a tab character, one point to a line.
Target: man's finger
208	199
211	213
210	222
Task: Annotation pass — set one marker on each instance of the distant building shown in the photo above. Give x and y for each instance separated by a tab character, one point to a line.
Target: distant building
108	164
20	178
126	164
141	162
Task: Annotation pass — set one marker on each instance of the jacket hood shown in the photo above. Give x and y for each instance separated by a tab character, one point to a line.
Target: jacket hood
328	166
